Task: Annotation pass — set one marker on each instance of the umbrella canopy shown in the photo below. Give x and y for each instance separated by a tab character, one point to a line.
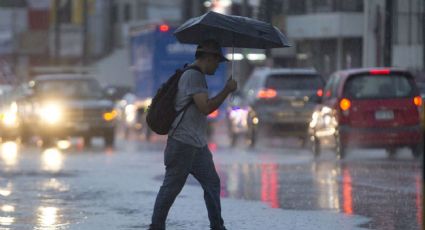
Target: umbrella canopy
231	31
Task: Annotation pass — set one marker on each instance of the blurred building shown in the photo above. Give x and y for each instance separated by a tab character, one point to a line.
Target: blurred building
13	22
38	33
332	34
114	70
125	13
325	34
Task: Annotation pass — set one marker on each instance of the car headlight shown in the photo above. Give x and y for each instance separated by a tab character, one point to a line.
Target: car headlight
239	116
10	119
51	113
111	115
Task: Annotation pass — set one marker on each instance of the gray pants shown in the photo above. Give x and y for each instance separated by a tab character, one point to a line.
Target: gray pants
181	159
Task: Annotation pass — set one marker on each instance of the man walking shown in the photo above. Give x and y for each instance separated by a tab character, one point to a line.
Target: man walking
187	150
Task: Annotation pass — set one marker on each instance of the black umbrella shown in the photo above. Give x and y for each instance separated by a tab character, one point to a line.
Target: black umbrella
231	31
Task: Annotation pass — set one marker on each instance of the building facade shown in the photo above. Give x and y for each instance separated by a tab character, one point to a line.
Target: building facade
332	35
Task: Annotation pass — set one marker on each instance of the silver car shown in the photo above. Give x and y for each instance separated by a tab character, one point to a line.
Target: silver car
279	101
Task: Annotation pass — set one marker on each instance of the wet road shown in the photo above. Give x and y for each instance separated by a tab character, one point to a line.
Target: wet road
73	187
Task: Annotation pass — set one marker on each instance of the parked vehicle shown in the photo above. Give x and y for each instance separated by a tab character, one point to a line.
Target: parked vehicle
278	101
62	105
133	115
155	55
368	108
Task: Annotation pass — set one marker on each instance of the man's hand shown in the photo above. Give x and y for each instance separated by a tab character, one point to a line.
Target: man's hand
231	85
206	105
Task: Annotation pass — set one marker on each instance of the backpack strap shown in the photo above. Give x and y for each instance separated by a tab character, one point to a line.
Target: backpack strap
184	112
186	67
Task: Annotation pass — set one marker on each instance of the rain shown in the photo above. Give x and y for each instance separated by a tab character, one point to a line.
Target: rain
325	130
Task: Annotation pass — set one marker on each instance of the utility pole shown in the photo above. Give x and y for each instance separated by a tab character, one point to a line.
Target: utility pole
423	41
245	8
388	32
57	32
86	51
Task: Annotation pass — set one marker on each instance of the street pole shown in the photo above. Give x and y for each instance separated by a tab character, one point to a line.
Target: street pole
85	44
57	32
388	32
245	8
423	39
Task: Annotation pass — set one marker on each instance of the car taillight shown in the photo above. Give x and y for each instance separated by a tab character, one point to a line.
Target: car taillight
213	115
345	104
267	93
328	93
417	101
379	71
319	92
164	28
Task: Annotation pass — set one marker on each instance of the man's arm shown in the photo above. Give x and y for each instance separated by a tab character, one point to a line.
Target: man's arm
208	105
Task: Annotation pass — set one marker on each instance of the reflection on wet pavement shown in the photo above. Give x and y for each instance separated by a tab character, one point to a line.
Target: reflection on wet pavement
54	184
29	191
6	221
64	144
43	189
52	159
48	218
7	190
7	208
389	195
9	153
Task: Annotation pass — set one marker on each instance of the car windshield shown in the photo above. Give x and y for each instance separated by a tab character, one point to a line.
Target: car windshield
294	82
69	88
378	86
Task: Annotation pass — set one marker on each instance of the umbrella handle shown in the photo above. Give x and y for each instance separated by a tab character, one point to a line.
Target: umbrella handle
231	75
233	59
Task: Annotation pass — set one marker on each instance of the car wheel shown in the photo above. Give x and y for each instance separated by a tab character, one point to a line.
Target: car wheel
316	147
109	138
340	148
417	151
233	139
87	141
252	136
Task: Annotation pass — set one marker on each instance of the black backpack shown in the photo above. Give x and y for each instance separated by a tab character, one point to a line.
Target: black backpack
162	113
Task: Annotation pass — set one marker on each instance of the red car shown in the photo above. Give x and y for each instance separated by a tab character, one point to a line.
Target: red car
368	108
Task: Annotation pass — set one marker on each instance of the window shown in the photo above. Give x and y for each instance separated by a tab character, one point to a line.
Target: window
70	88
349	5
376	86
114	14
408	17
127	12
323	6
296	7
329	88
294	81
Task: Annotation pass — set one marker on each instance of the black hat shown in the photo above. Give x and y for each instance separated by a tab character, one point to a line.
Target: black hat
211	46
